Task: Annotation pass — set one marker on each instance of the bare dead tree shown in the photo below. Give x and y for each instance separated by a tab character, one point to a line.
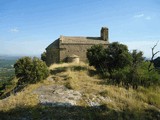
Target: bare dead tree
152	58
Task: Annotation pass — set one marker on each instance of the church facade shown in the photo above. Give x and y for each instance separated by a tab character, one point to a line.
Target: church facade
66	46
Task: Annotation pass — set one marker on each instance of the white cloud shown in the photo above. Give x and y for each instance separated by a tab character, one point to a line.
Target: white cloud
139	15
142	16
148	18
14	30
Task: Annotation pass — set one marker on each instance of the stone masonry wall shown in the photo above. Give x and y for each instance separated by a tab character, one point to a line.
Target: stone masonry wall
76	49
52	56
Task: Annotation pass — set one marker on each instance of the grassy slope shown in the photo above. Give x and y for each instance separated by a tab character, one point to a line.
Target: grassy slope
124	104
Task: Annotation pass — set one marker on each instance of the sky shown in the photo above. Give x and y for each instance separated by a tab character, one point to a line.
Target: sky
27	27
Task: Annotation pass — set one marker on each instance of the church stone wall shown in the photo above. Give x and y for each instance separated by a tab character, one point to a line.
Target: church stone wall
76	49
64	47
52	56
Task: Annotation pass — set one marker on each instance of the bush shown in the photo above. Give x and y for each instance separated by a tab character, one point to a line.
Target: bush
43	56
149	78
124	67
120	77
96	57
30	70
115	56
139	76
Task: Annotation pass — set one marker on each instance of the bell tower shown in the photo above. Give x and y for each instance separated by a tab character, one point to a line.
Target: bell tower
104	33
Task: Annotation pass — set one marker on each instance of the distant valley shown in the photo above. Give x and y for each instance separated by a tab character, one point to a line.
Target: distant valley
6	67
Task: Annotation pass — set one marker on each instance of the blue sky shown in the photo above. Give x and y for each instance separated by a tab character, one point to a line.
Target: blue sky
27	27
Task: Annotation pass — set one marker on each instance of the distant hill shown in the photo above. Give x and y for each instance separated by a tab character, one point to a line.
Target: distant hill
6	57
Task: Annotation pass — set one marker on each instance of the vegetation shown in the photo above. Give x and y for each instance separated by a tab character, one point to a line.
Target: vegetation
123	67
27	71
157	62
43	56
96	57
30	70
6	74
6	69
118	103
115	57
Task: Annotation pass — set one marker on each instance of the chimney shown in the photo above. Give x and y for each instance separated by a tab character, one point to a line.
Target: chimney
104	33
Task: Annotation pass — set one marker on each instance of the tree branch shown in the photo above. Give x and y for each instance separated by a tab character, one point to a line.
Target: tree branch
153	54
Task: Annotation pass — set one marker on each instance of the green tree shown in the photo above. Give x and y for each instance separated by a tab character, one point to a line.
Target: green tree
125	68
30	70
117	57
157	62
96	57
135	74
148	78
43	56
137	58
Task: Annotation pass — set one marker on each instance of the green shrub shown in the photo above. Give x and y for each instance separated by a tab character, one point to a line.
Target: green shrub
117	56
120	77
124	68
114	57
43	56
96	57
30	70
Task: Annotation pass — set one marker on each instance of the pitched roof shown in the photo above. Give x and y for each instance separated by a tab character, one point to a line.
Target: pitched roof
54	44
82	40
76	40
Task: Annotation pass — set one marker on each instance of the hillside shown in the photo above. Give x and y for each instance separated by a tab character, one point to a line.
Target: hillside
77	92
6	68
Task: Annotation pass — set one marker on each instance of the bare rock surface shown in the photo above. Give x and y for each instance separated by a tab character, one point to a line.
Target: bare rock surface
96	100
57	95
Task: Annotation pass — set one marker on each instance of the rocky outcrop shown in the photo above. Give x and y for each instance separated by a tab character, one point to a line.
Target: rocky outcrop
57	95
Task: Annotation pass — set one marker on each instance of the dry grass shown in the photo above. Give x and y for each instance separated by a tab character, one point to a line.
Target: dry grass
17	101
121	98
24	98
77	77
53	66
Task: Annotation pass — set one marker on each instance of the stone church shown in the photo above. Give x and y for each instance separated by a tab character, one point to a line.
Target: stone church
67	46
